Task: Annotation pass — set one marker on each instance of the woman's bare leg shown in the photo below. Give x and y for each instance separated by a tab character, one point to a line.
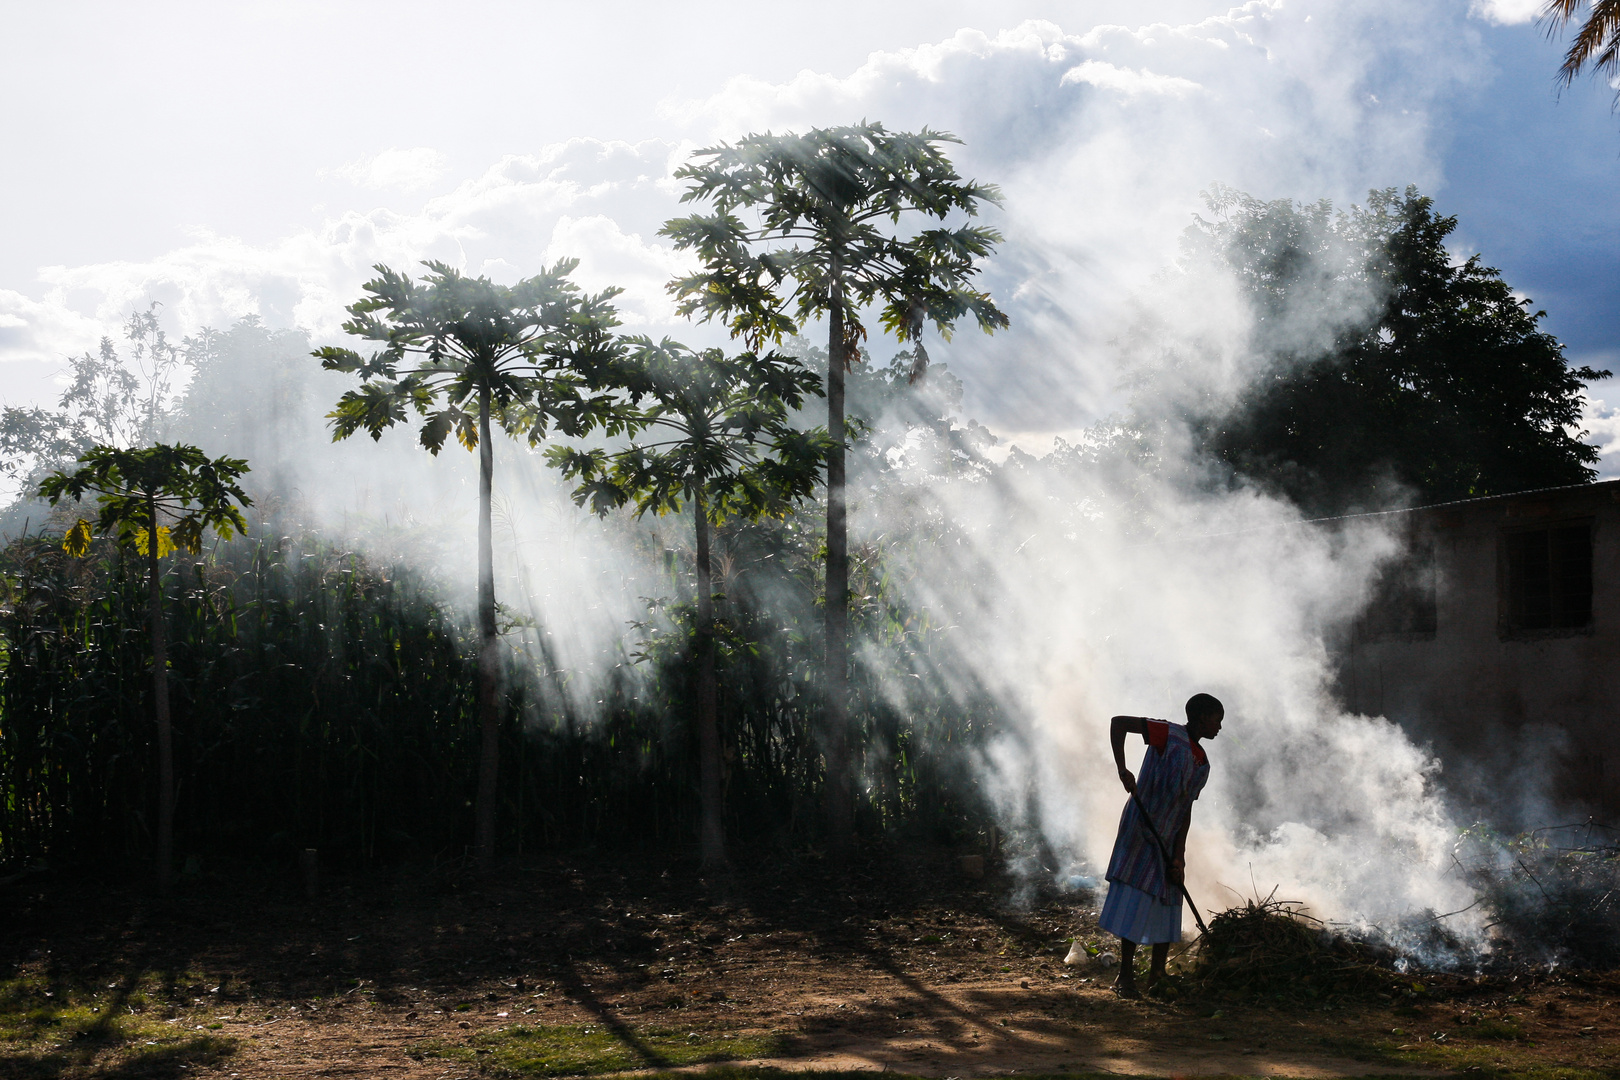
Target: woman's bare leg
1161	951
1126	985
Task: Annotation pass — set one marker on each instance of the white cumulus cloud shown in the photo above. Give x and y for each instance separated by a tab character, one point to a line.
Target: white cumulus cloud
407	170
1601	421
601	202
1106	76
1507	12
43	330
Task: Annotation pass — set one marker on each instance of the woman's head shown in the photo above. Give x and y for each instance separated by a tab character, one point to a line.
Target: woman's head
1204	715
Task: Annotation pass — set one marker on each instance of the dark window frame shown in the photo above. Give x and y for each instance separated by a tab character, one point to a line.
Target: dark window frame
1546	592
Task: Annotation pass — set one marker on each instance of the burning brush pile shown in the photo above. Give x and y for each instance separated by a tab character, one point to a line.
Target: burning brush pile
1271	948
1553	895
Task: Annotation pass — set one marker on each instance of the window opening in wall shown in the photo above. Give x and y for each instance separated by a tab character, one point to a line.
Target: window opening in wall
1549	578
1403	600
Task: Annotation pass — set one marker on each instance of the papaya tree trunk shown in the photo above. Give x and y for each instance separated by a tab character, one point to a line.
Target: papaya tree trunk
489	756
160	705
839	806
712	789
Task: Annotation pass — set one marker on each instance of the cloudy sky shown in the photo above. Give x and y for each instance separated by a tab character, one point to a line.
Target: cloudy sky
234	158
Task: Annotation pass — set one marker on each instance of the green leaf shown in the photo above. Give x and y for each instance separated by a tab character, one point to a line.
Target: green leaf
77	541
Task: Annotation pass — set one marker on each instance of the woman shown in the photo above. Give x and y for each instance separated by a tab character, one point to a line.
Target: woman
1144	893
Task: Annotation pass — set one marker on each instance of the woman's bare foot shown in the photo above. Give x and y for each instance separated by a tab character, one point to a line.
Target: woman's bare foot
1125	987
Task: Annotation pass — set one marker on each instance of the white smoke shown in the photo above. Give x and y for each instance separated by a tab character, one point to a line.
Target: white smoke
1096	592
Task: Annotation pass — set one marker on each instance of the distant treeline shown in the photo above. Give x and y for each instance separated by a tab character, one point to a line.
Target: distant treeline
320	700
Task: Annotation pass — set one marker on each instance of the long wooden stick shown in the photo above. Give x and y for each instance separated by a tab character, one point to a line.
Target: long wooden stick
1165	852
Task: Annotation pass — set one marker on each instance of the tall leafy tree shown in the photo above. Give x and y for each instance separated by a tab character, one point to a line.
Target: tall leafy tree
110	400
247	396
1597	41
154	500
716	442
1447	388
809	226
467	355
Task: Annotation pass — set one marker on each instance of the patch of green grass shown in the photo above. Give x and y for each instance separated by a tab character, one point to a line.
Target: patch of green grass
165	1059
1482	1062
591	1049
1460	1055
35	1009
1496	1062
49	1024
1492	1028
757	1072
189	1049
761	1072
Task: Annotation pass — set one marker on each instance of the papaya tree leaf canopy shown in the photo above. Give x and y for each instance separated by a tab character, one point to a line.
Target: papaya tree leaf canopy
713	427
534	347
186	490
798	218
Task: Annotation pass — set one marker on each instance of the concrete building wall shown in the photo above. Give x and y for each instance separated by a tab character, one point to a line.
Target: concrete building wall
1492	696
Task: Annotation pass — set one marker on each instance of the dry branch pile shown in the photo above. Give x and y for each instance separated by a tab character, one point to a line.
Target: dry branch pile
1552	904
1273	948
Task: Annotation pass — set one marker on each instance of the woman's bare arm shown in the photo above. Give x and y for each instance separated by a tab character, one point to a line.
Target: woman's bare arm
1118	728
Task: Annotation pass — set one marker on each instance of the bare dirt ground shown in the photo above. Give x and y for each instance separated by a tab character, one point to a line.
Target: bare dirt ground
604	964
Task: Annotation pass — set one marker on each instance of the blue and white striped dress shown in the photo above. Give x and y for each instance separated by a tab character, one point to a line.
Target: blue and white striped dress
1143	906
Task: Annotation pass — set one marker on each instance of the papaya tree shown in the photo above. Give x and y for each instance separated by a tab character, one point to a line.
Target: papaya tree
155	500
714	439
467	355
809	226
